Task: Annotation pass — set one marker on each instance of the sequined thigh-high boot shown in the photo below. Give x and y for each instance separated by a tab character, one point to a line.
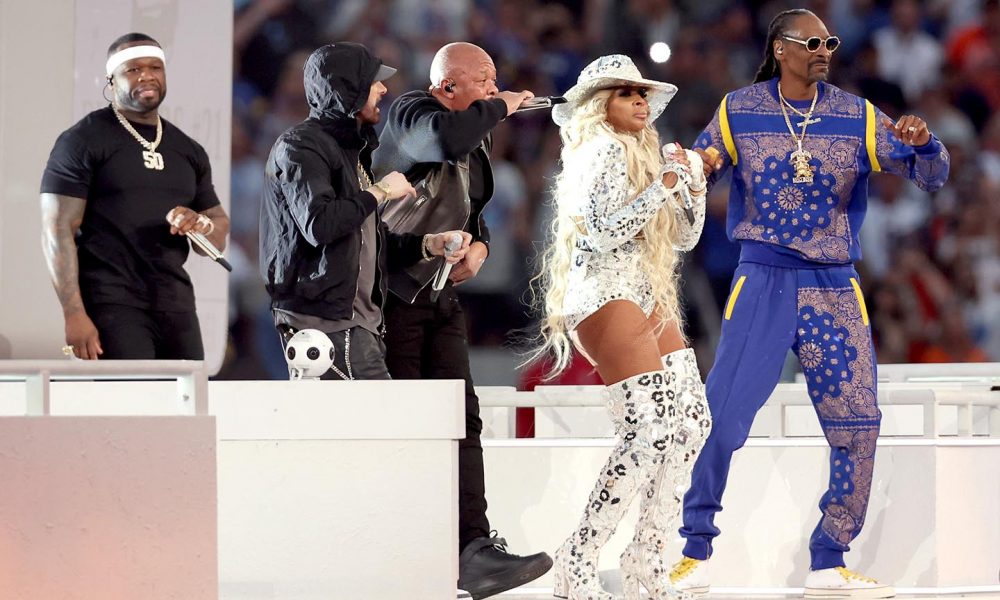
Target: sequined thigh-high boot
638	409
688	421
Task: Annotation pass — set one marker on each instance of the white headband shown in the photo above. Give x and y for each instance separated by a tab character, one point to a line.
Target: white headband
116	59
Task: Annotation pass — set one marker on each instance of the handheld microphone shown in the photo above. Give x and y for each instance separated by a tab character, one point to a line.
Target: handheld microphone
209	249
201	241
685	179
441	277
539	102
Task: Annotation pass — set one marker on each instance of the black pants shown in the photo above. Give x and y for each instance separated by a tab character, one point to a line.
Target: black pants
427	340
357	347
134	333
364	352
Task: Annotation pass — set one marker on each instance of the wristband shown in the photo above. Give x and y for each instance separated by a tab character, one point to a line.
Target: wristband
423	247
385	188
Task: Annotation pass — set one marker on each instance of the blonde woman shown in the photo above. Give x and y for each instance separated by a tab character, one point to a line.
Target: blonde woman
610	287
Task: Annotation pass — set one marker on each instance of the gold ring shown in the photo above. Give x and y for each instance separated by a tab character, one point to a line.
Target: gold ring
911	129
67	350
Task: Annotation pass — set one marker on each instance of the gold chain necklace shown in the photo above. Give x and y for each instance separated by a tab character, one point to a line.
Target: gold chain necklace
151	159
791	107
799	158
363	178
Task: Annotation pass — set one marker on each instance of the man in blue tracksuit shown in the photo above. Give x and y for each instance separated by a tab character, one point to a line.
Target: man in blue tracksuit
801	152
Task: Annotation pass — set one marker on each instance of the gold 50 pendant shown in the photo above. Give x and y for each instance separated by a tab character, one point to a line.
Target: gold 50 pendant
152	160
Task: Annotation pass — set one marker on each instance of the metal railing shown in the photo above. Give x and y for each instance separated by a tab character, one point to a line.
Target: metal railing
967	387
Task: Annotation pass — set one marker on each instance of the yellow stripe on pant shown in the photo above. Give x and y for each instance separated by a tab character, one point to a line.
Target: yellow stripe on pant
733	296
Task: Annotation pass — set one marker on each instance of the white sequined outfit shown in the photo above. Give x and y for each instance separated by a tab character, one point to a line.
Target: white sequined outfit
607	260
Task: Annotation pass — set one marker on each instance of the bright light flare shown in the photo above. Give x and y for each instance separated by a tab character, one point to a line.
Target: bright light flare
659	52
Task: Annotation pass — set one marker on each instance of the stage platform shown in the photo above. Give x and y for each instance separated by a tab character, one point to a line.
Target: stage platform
333	489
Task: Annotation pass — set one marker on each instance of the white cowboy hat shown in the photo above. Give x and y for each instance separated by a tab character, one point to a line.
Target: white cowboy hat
611	71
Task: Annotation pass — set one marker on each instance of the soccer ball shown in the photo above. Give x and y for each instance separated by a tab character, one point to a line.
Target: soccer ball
309	354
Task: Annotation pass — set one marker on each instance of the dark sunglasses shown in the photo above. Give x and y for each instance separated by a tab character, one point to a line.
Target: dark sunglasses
813	43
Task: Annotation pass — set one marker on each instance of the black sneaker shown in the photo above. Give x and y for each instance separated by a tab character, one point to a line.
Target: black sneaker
485	568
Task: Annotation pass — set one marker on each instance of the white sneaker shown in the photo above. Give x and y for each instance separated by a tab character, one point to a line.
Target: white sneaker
690	575
840	582
463	595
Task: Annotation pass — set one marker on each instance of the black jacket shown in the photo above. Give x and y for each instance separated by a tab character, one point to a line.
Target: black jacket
422	136
313	206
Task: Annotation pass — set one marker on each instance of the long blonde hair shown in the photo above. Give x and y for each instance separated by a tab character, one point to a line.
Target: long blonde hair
659	258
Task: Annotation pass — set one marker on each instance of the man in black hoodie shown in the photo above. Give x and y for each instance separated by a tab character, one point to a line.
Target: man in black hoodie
441	138
323	248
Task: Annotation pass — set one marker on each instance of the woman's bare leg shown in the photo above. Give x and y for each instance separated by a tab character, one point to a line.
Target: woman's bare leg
669	338
621	340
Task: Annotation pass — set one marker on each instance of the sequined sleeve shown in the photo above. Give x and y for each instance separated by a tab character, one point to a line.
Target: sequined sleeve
712	137
610	215
688	233
926	165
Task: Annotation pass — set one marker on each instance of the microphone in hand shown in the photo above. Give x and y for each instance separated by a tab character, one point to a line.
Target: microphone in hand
180	219
539	102
209	249
672	154
453	244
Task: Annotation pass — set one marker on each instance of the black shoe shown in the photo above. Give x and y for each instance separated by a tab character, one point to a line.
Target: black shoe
486	569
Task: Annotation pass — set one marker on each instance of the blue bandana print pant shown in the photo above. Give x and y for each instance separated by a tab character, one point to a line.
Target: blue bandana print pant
820	315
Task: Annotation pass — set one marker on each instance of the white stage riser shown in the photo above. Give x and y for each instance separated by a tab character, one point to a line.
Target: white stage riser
338	490
320	520
932	520
326	490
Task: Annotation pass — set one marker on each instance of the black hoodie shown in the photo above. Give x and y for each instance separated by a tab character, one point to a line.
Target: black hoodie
314	206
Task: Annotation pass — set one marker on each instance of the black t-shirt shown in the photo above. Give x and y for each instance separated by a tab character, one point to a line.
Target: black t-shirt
126	252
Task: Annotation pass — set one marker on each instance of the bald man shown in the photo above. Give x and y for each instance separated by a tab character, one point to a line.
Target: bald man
440	139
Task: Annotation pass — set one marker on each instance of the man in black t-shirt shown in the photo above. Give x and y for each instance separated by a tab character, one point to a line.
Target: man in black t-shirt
121	189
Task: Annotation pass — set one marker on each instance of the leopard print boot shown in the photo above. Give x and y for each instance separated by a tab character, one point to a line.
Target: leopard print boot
638	407
689	422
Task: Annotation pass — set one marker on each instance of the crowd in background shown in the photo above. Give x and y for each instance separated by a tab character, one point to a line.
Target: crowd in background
931	267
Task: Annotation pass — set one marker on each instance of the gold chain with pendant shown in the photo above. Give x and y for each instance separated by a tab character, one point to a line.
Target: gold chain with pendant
363	178
151	159
799	158
805	115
